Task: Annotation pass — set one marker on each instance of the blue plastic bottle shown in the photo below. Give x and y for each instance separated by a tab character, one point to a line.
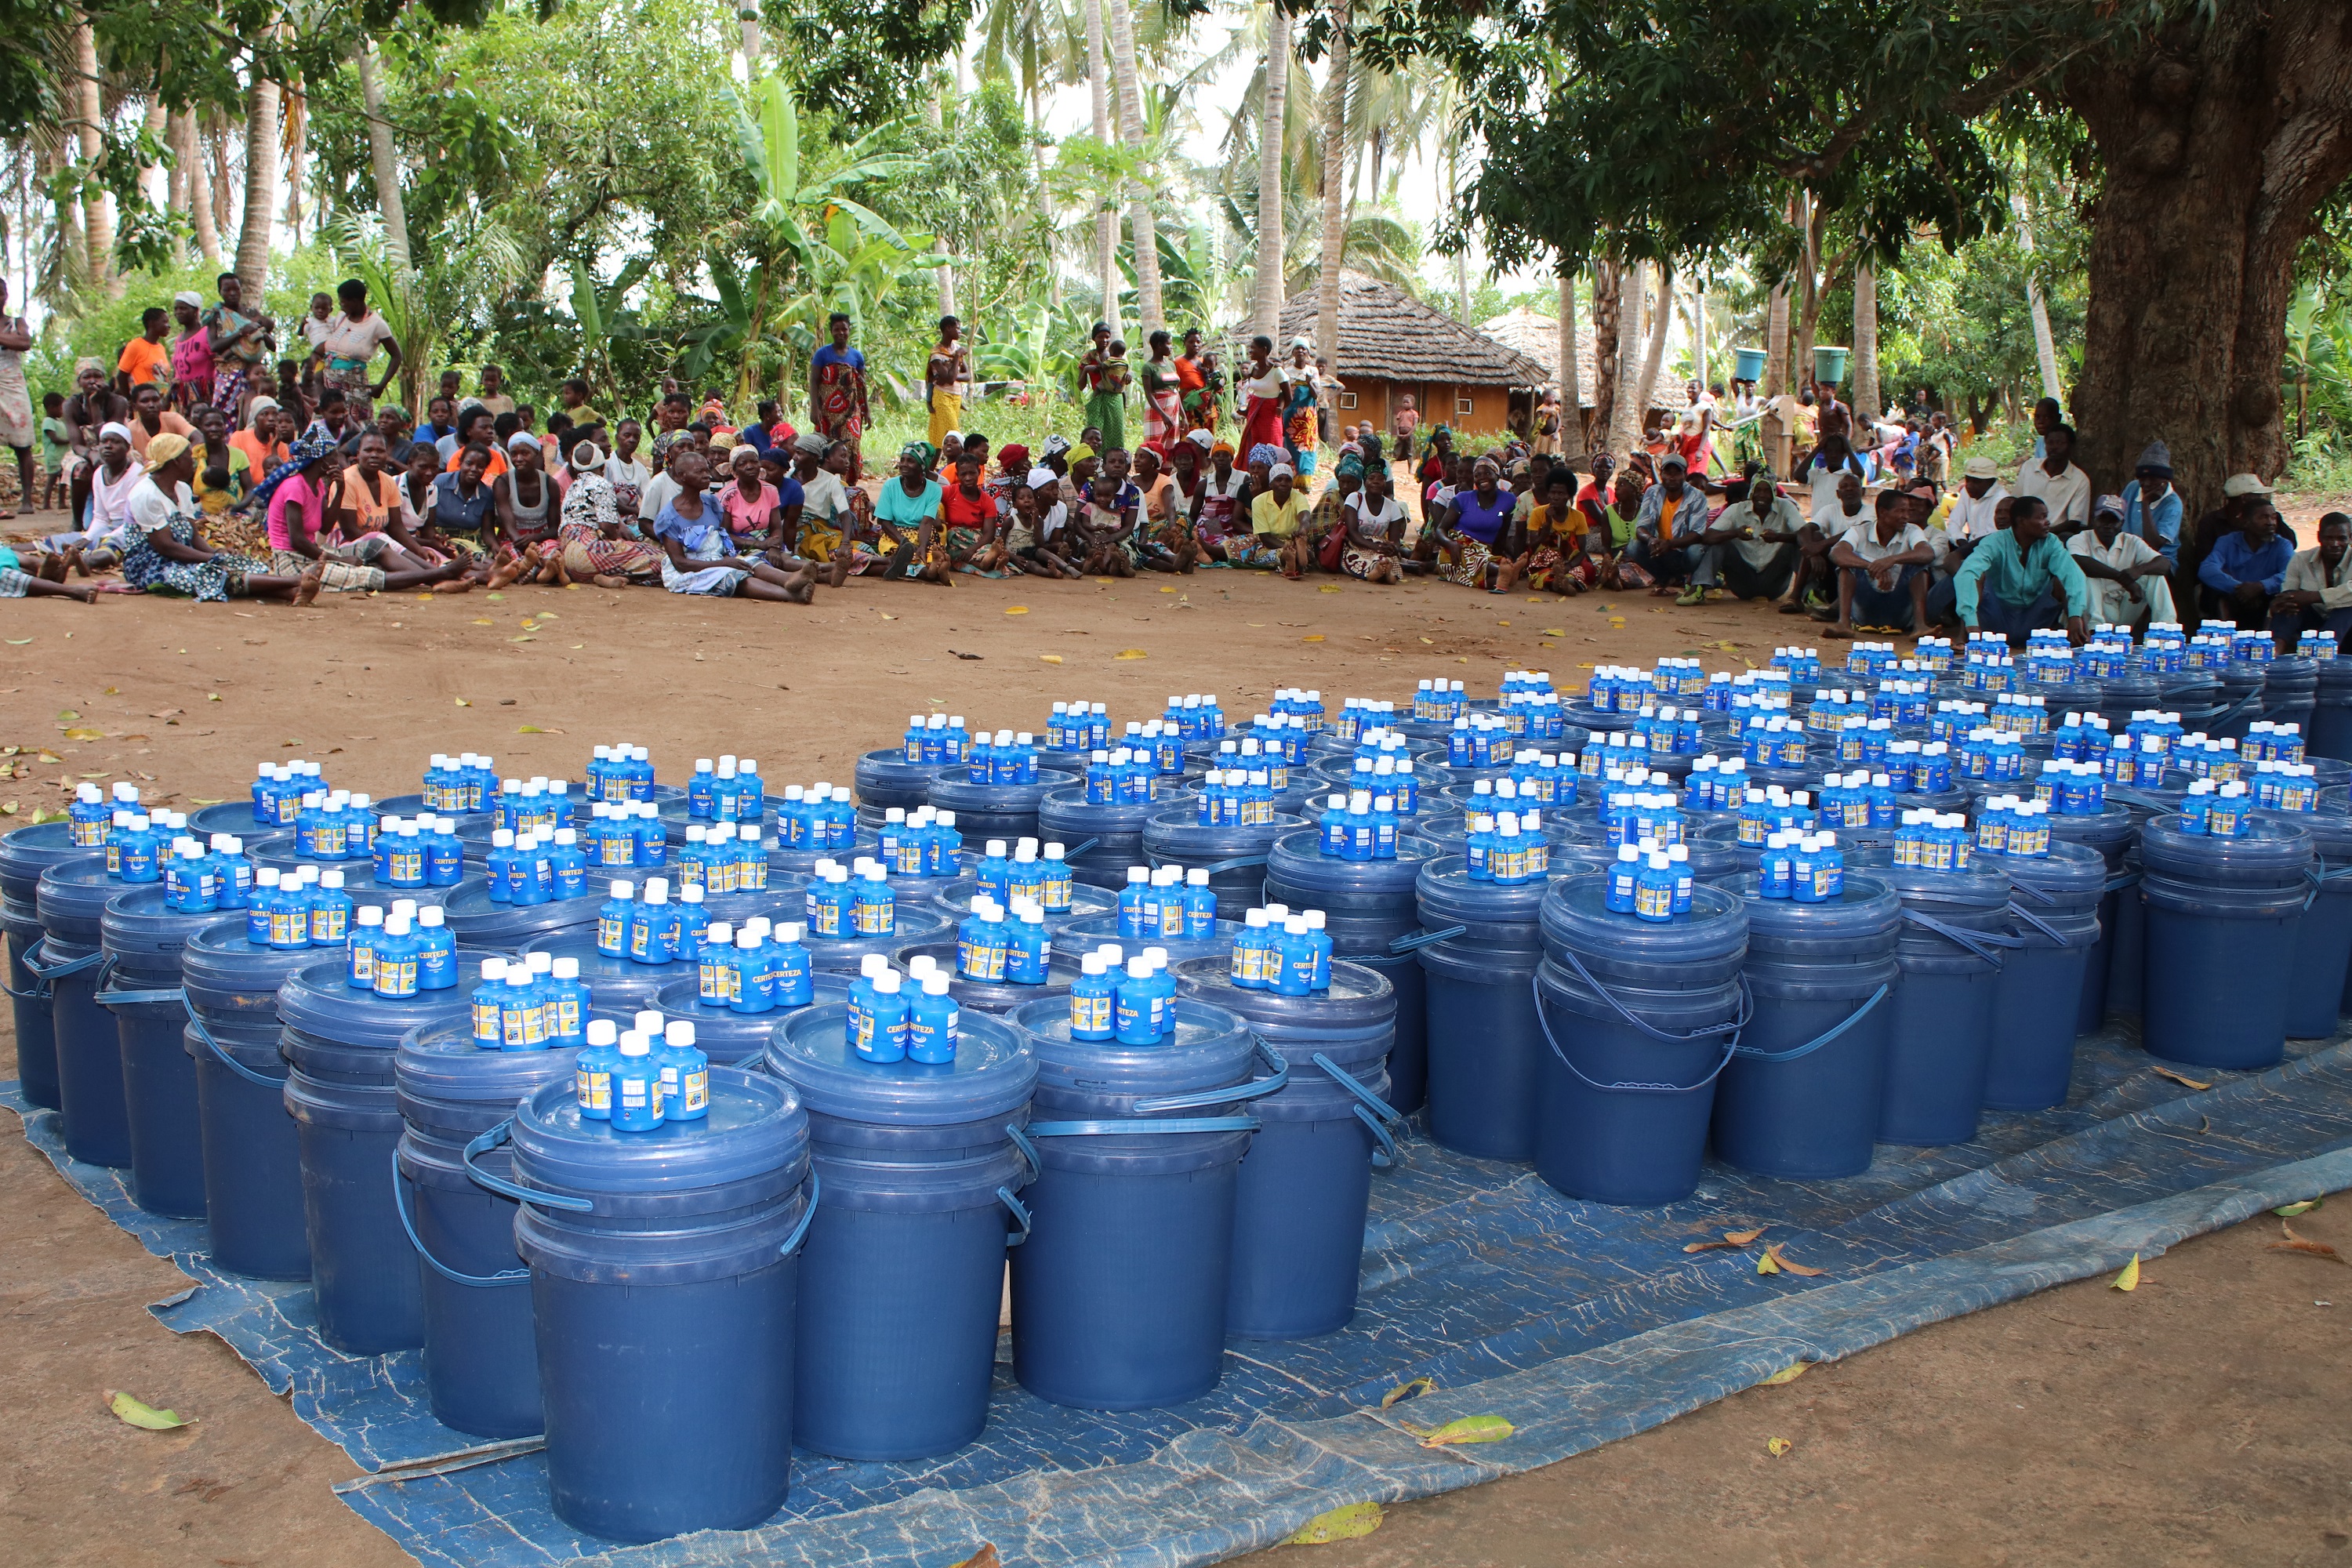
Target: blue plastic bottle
637	1087
689	921
485	1005
359	954
1294	953
1055	882
685	1073
564	1004
1028	951
1623	877
1654	889
883	1037
790	982
1132	901
1200	906
932	1019
715	969
957	747
1250	948
395	959
501	871
592	1075
436	952
134	852
651	925
330	912
872	907
828	903
522	1012
1134	1011
568	866
739	971
613	920
1093	1000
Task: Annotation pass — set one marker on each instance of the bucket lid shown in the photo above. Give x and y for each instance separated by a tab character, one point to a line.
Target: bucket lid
755	1126
955	898
1068	810
991	1076
220	961
2072	871
73	896
1178	830
607	977
2108	825
1210	1048
317	999
1104	928
912	921
140	927
1449	897
26	852
1296	860
1978	886
2268	847
951	789
476	921
732	1036
2330	829
1868	910
1359	996
1575	914
440	1061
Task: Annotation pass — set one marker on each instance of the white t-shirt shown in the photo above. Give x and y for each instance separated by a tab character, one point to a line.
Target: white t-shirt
2128	551
2067	493
1971	516
654	494
1863	541
151	509
346	341
1823	483
314	331
620	470
1391	512
1050	521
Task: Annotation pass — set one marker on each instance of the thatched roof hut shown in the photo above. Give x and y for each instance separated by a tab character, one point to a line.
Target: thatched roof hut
1538	337
1391	345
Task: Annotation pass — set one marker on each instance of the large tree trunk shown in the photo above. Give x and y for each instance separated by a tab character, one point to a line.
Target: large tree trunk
1142	226
1605	301
2218	147
297	156
1625	418
384	161
97	211
199	194
1662	318
1865	343
1777	379
2045	348
155	179
1335	208
1265	295
177	187
1106	215
260	188
1572	391
214	137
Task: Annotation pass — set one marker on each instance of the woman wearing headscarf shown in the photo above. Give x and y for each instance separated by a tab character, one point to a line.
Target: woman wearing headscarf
102	502
908	513
597	545
168	553
1163	404
973	519
1299	404
837	407
1273	517
699	557
192	355
526	507
1472	527
301	537
239	343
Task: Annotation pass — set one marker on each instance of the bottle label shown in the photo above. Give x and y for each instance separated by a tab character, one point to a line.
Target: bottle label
489	1028
329	924
567	1016
694	1092
716	980
395	977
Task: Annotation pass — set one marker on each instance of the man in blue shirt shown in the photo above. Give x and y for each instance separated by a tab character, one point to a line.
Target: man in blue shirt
2018	579
2151	506
2244	570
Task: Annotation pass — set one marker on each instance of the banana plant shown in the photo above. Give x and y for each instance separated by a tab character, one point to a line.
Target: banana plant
603	317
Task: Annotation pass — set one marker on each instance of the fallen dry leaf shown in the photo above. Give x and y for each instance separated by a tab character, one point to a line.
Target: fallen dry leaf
1469	1429
1405	1391
1326	588
1776	1447
1785	1375
1130	653
1317	636
463	704
137	1412
1017	609
1777	1255
2288	1211
1353	1522
1051	657
486	623
2181	1078
2294	1243
85	735
986	1556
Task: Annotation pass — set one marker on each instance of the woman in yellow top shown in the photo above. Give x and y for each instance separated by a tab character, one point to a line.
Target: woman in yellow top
1273	517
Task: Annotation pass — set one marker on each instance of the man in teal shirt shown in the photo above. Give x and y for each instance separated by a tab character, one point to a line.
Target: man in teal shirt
2012	582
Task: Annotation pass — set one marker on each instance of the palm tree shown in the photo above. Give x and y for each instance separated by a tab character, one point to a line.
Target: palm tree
98	210
260	182
1106	217
383	159
1265	310
1140	218
1335	213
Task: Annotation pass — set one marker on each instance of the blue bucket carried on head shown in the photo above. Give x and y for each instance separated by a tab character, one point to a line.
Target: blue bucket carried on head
252	1152
1367	904
2323	943
24	854
1799	1098
741	1040
2053	918
2223	921
988	996
1640	1018
953	899
72	904
1955	929
144	940
1098	841
1079	938
2112	831
1749	364
481	1369
901	1278
476	922
339	1044
1118	1295
1006	810
1234	856
1478	947
1307	1182
664	1276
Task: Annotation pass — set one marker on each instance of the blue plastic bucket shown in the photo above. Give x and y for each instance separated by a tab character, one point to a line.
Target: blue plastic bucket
801	862
885	778
481	1369
1749	364
1075	939
2330	731
1099	841
1799	1098
680	1244
1367	904
24	854
144	940
252	1155
914	923
902	1276
1484	1044
1007	811
91	1100
1118	1295
2224	923
741	1040
2053	918
2111	831
1234	857
2323	943
478	923
2127	949
1640	1019
615	985
1956	930
1409	1058
1306	1183
339	1044
991	996
953	898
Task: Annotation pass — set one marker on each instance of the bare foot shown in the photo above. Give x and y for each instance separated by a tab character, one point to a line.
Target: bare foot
801	592
606	580
556	575
840	569
1839	630
507	572
50	569
454	586
72	558
306	591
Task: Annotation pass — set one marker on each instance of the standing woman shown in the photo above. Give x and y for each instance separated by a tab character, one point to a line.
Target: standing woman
240	343
1104	381
1300	401
191	356
1262	394
1163	406
838	394
168	553
349	343
1199	410
18	425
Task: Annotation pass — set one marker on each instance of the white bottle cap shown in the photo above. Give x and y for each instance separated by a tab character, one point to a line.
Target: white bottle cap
746	938
790	931
658	892
493	969
1139	968
567	968
887	982
1091	964
678	1032
1313	919
372	915
265	878
1254	918
872	964
934	984
1138	874
692	895
635	1044
624	890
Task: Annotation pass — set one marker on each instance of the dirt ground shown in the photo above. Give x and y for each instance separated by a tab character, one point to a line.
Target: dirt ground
2196	1420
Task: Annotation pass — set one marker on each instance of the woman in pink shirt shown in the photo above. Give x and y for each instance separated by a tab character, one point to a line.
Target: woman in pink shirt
301	540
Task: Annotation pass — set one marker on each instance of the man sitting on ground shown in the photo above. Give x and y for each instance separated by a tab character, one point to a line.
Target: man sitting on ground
2246	569
2129	576
1882	571
1753	546
2021	580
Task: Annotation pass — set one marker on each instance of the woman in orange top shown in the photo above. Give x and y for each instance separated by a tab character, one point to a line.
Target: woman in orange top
470	432
264	445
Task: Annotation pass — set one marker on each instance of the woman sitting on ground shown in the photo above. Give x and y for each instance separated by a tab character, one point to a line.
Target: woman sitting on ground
1032	523
1467	532
302	536
974	528
168	553
597	544
1374	518
1273	517
528	512
908	514
698	554
1094	533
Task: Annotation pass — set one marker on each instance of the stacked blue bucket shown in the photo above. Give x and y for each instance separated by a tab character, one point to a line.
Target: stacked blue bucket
1800	1098
1480	944
24	854
1234	855
1104	838
921	1164
1640	1018
143	938
1956	928
72	903
2322	943
2330	730
664	1284
2054	920
2223	917
252	1152
1306	1183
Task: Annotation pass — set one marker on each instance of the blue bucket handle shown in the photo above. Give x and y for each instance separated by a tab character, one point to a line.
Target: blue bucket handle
506	1189
808	1217
1551	1039
1747	1008
1982	943
1374	1112
2019	911
45	973
1413	941
1256	1088
1020	1212
2017	887
1021	1141
400	1206
1238	863
2119	882
1818	1041
1144	1125
140	998
1070	851
227	1060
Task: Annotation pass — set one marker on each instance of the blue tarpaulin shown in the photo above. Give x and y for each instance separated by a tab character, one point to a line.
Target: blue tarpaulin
1578	1323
